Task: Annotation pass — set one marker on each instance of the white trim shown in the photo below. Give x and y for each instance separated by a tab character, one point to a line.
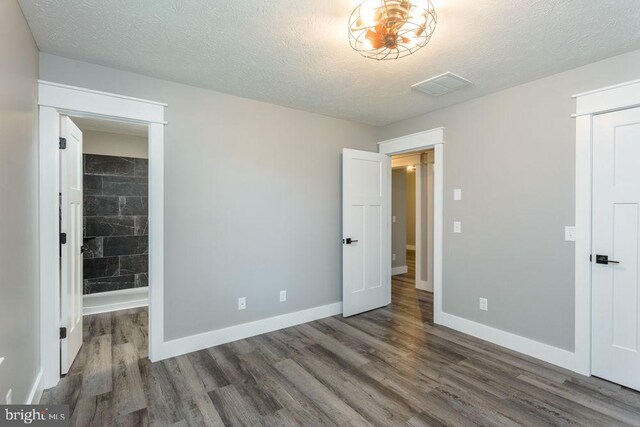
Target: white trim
582	346
233	333
588	104
403	269
527	346
97	92
35	394
607	99
53	99
418	223
94	103
438	230
412	247
423	285
123	299
414	142
434	139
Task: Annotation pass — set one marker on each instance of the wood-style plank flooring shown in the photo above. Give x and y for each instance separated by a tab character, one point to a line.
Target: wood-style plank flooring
390	366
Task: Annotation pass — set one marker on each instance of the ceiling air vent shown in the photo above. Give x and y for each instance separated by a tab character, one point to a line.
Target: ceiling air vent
442	84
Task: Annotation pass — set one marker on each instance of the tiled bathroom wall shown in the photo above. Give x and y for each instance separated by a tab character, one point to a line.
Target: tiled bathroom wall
115	223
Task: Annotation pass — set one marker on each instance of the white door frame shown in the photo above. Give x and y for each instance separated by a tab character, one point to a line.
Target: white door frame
589	104
55	99
431	139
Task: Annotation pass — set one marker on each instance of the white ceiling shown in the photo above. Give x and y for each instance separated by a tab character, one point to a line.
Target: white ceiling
296	53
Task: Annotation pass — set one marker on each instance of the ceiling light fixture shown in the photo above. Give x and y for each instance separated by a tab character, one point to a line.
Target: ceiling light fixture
391	29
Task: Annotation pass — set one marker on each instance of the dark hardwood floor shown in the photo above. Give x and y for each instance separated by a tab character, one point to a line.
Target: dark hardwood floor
390	366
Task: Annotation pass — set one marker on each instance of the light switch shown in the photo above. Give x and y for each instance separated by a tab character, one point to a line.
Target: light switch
570	233
457	227
457	194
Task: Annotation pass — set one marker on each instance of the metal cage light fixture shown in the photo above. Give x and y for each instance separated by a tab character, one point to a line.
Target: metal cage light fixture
391	29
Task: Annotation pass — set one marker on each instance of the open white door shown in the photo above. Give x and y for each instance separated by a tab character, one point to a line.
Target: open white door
71	242
366	249
616	238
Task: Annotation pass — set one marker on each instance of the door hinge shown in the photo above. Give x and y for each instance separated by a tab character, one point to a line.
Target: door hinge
63	333
63	143
590	258
63	238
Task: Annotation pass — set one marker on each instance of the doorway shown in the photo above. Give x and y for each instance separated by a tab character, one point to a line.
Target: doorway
56	101
104	254
367	225
412	219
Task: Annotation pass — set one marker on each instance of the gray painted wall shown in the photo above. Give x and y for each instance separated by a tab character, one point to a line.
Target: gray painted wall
252	199
399	210
19	311
411	208
513	155
114	144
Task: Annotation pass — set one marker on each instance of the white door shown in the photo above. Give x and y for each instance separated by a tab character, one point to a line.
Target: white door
366	250
616	214
71	251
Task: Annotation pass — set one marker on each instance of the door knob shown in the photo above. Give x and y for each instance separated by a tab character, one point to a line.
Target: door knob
604	259
349	241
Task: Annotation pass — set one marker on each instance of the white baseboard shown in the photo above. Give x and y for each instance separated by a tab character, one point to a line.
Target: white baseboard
411	247
423	285
104	302
399	270
193	343
36	390
548	353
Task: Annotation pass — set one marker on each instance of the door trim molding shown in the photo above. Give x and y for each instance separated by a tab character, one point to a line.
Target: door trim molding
589	104
55	99
430	139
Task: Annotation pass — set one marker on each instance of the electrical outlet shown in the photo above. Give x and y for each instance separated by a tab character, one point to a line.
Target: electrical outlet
457	194
393	218
283	296
242	303
570	234
7	399
457	227
393	257
484	304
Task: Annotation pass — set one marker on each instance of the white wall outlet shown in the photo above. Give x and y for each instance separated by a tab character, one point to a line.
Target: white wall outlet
283	296
393	257
457	194
457	227
570	233
7	399
484	304
242	303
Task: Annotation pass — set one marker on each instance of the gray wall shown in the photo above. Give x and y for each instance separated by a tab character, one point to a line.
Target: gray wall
513	155
411	208
114	144
19	311
399	210
252	199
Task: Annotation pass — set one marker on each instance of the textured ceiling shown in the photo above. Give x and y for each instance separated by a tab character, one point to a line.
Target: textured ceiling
296	53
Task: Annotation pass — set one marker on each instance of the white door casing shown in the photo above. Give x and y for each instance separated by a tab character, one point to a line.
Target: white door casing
616	234
366	209
71	251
